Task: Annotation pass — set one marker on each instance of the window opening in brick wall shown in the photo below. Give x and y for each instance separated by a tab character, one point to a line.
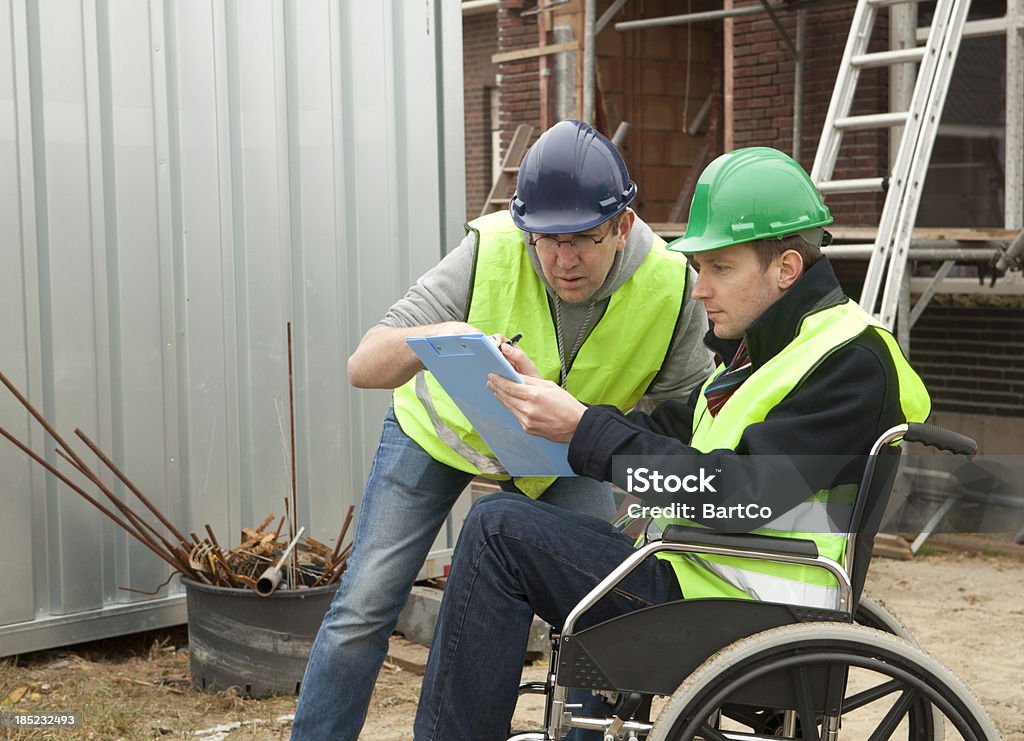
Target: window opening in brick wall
966	178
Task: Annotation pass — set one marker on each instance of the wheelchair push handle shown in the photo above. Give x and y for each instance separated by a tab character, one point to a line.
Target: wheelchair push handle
943	439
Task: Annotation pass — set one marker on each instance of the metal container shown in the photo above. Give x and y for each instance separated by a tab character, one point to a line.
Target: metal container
258	644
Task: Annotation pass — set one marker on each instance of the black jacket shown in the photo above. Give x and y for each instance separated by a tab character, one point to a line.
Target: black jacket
841	408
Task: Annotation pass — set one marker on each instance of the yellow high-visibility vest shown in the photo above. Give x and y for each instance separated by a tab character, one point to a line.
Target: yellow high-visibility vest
615	365
820	334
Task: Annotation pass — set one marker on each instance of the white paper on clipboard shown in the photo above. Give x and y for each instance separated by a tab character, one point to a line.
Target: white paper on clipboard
460	363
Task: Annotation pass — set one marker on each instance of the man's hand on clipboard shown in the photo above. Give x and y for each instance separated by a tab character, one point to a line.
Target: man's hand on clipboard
542	407
515	355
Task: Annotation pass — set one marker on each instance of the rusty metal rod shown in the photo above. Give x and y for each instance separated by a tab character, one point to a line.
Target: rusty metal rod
69	454
291	415
331	575
42	420
140	524
342	562
72	457
131	487
344	530
74	487
213	538
127	511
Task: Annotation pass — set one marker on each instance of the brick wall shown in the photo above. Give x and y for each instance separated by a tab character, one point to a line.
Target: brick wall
518	81
656	79
763	97
971	357
479	43
651	78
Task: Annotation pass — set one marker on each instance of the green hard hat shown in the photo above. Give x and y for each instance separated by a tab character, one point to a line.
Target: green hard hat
750	194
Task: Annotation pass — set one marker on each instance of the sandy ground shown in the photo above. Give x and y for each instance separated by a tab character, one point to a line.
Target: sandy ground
966	610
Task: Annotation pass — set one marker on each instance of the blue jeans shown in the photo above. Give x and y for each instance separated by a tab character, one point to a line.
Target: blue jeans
514	558
407	498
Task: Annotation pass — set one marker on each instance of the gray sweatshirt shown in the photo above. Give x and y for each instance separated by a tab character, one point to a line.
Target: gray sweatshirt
442	295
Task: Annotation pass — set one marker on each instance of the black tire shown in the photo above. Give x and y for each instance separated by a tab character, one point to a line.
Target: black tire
873	614
791	650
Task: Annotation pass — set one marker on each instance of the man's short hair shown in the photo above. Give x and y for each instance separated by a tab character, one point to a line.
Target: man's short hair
768	249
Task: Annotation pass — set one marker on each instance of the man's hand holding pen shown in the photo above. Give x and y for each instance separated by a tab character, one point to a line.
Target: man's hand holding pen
516	357
542	407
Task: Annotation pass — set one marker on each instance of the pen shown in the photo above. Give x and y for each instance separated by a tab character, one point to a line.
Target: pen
515	339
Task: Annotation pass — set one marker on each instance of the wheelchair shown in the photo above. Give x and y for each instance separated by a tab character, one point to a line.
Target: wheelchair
744	669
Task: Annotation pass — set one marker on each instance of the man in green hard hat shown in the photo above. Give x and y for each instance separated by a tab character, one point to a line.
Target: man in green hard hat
806	372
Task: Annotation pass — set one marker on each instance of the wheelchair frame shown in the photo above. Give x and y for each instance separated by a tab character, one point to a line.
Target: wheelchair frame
742	629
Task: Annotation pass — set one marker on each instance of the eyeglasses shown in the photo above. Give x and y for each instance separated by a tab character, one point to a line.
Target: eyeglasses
580	243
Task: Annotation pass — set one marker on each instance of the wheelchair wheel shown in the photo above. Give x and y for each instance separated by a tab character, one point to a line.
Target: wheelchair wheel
886	678
874	614
925	721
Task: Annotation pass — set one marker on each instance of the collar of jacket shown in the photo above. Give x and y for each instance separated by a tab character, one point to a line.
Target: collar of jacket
816	289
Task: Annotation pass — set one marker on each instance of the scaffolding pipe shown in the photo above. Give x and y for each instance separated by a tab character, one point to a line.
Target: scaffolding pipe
1013	203
728	87
939	249
1012	256
620	134
682	20
781	29
607	16
589	19
798	84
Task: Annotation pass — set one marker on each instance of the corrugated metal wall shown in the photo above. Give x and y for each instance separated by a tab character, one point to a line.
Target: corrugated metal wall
178	180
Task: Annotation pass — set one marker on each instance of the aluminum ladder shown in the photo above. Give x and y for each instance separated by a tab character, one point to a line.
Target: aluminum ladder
903	185
504	185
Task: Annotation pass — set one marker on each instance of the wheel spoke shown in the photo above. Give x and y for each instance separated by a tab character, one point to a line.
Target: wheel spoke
804	704
853	702
750	718
894	716
712	734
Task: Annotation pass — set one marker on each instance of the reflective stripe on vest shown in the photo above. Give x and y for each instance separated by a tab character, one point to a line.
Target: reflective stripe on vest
820	334
615	365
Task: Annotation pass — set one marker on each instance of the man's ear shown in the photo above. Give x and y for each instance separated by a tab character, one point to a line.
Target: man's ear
791	267
625	226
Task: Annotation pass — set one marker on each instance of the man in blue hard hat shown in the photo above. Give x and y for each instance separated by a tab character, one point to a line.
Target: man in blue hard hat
604	310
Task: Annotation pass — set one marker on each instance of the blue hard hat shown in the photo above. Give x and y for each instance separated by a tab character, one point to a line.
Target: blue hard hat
571	180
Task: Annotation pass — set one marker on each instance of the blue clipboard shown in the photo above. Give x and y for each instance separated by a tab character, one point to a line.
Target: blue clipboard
460	363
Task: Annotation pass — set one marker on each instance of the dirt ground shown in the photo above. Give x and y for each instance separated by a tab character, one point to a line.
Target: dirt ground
967	610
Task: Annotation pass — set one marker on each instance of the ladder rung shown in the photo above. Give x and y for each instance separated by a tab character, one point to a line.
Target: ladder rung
873	121
883	3
500	200
510	170
885	58
856	185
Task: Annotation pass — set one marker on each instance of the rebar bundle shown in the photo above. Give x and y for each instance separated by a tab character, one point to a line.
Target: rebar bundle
312	563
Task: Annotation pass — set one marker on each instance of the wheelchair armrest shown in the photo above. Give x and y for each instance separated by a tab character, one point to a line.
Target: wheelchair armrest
740	541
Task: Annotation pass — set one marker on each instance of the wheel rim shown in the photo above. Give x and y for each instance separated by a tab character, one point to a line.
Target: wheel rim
916	690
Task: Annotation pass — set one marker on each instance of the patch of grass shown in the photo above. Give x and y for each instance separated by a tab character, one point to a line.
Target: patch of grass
137	687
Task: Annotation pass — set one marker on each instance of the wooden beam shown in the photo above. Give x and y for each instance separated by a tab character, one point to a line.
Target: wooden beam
537	51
